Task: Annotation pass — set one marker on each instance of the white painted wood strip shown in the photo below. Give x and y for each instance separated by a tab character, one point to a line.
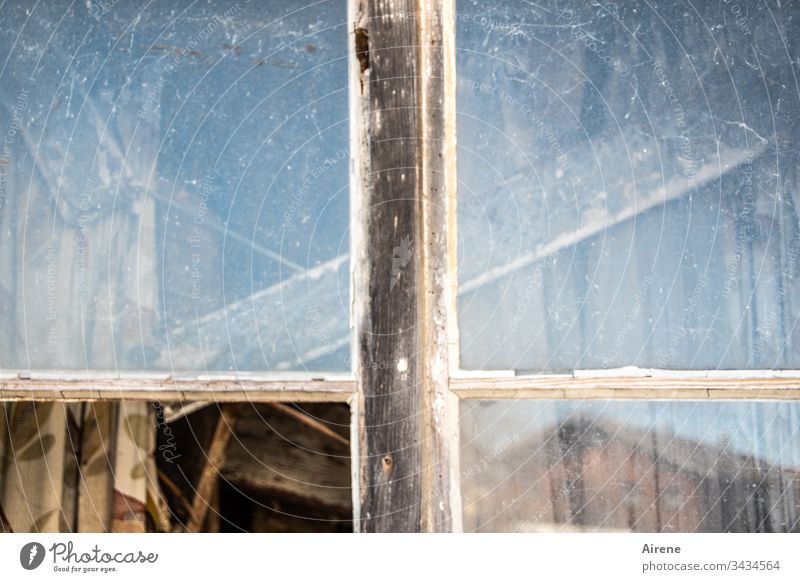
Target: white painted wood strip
144	388
643	384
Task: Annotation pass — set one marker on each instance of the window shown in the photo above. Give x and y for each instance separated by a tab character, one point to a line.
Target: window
546	253
649	466
174	208
624	201
627	230
174	214
134	466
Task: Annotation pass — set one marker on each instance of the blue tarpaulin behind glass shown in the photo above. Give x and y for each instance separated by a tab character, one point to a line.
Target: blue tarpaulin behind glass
174	186
628	184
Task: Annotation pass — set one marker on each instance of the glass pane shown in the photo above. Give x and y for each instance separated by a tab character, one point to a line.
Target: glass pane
135	466
174	186
631	466
628	184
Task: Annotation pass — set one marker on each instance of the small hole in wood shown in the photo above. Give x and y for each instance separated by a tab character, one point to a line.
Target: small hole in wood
362	48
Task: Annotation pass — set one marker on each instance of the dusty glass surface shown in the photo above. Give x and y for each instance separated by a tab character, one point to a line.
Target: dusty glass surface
174	186
630	466
628	184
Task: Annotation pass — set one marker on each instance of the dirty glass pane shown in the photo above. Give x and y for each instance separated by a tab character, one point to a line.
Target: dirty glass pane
174	186
628	184
631	466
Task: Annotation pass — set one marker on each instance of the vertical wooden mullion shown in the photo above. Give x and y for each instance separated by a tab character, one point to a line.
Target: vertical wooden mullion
385	273
400	281
441	507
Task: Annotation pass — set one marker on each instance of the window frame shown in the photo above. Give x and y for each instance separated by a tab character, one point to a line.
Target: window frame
405	467
619	384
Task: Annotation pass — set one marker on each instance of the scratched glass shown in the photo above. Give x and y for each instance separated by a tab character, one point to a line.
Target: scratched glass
628	184
630	466
174	186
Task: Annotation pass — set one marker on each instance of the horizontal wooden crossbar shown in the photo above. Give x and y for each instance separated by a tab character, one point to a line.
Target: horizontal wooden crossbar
623	383
142	387
633	383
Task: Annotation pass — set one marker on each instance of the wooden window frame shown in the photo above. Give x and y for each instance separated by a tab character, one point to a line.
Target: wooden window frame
406	383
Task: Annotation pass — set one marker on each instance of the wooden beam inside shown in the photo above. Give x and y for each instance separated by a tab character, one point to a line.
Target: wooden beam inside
214	461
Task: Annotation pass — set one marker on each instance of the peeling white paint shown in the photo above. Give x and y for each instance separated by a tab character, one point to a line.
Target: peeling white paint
402	365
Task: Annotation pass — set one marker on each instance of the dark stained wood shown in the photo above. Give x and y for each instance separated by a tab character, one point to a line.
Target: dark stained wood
274	457
385	38
276	474
401	273
204	492
4	525
310	422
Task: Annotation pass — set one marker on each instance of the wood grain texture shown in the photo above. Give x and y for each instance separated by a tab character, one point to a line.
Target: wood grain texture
388	370
635	384
275	456
212	466
440	504
165	388
406	412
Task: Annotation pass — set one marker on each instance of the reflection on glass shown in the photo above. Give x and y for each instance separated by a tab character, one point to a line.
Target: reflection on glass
630	466
628	185
174	186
